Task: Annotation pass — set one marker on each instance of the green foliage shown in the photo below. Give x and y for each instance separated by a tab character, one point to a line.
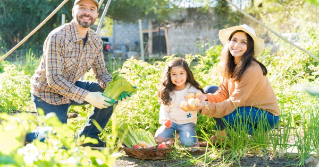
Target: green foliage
30	65
2	65
315	2
49	153
107	26
14	89
143	106
131	10
206	71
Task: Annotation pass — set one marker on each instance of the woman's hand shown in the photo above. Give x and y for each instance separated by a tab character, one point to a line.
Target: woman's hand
198	106
202	102
203	98
185	106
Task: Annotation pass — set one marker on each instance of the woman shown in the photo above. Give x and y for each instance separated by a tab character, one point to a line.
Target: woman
245	95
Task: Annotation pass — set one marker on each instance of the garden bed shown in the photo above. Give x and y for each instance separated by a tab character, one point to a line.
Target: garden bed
249	160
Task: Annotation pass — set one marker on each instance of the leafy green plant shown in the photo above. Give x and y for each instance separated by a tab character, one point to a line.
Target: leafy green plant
59	149
2	64
14	90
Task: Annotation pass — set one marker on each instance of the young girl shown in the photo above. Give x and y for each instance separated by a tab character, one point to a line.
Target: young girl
177	81
245	93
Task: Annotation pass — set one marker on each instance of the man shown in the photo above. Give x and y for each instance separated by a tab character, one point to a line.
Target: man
69	51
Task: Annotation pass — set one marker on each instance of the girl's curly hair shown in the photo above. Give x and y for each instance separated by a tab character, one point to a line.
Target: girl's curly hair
166	85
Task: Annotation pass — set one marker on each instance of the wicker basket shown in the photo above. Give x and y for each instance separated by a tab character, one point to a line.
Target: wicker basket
147	153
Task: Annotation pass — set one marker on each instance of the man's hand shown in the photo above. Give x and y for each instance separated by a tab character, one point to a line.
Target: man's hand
124	96
98	100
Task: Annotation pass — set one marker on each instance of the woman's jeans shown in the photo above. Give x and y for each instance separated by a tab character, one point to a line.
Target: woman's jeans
186	132
248	118
101	116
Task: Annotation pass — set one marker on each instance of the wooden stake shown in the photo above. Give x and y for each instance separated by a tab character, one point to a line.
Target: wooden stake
166	41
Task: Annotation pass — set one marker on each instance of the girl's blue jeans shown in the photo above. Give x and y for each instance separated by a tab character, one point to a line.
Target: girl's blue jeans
249	118
101	116
186	132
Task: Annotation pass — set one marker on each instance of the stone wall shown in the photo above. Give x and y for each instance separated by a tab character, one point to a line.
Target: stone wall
187	39
187	31
124	33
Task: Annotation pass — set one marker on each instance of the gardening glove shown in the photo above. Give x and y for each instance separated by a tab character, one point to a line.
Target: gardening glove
98	100
130	94
111	102
124	96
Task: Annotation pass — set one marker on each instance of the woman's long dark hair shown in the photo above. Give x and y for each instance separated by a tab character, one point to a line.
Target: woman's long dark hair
229	69
166	85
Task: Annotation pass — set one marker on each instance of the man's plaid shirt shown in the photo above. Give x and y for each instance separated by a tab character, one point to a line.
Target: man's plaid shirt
64	61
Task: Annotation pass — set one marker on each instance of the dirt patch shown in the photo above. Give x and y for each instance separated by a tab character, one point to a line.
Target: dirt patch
264	161
249	160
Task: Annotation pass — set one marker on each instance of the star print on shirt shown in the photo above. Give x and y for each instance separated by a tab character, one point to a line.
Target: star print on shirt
189	115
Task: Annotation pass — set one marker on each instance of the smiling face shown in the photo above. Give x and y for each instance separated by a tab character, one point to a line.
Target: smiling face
238	45
85	13
178	77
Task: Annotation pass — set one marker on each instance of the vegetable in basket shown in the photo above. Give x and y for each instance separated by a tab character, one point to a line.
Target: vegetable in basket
135	138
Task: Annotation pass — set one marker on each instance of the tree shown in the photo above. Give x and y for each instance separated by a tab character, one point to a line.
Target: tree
19	17
132	10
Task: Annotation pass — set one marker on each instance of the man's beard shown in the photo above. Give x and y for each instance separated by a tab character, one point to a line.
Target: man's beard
85	24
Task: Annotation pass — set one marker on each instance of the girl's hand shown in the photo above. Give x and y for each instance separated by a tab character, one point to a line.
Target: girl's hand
167	123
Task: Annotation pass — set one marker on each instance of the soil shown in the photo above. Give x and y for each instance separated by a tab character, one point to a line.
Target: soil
249	160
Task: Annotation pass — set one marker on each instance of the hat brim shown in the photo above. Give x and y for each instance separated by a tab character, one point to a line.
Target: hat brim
95	1
258	42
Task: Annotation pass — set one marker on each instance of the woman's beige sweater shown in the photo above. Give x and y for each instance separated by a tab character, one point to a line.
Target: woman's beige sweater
253	90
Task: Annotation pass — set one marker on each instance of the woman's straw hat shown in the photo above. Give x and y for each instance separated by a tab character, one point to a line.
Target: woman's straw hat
258	42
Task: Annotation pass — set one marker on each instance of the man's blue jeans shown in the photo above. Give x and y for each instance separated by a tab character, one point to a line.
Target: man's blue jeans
101	116
249	117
